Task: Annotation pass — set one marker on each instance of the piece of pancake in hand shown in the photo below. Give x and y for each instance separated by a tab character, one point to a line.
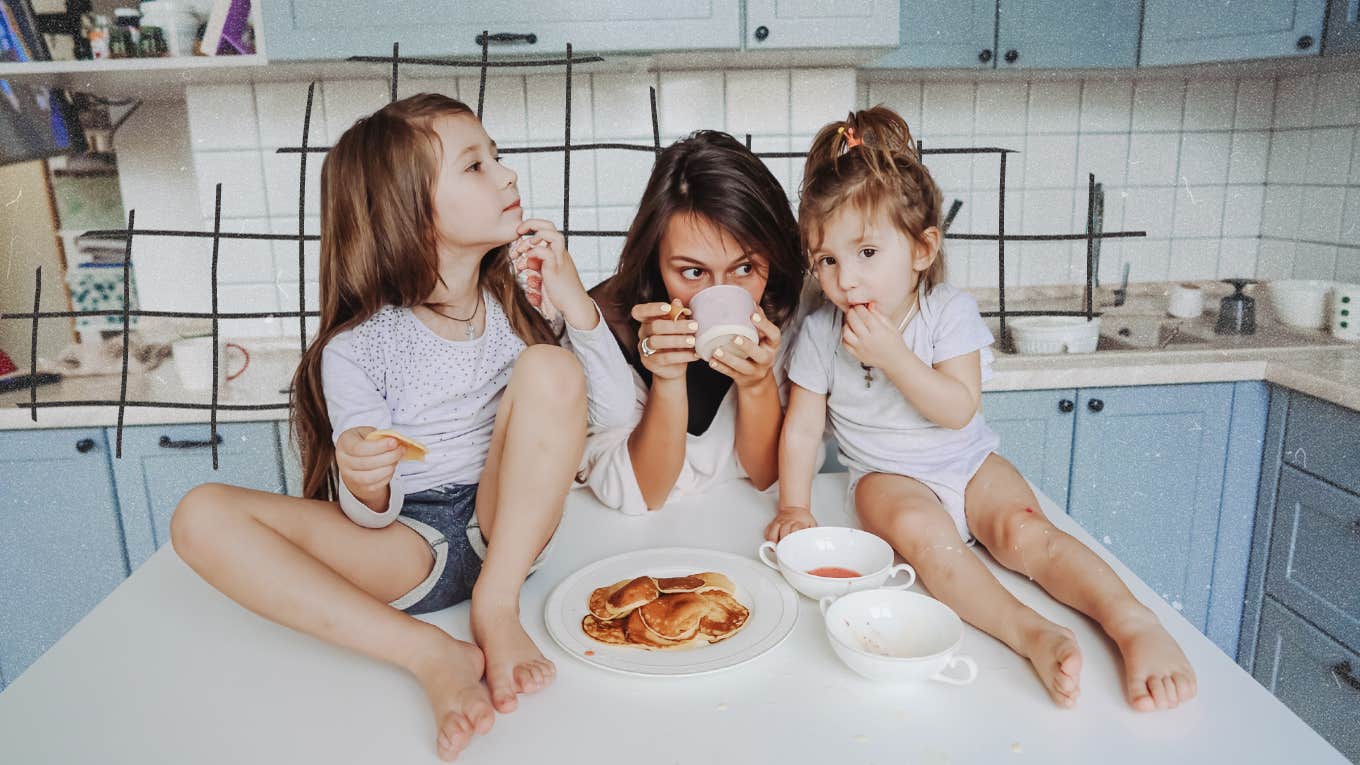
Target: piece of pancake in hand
609	631
619	599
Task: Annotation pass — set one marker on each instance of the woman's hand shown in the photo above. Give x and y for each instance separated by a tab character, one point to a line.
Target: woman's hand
367	467
749	363
871	338
553	280
788	520
671	341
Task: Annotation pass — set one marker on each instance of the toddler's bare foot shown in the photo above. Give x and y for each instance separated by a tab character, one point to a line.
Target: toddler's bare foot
1156	673
452	676
1056	657
514	665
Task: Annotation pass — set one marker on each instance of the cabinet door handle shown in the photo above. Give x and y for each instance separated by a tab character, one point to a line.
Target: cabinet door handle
1066	406
985	55
762	33
167	442
1012	56
85	445
1305	42
1095	405
507	37
1342	669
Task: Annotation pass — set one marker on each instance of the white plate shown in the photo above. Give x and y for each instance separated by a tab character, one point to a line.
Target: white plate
773	605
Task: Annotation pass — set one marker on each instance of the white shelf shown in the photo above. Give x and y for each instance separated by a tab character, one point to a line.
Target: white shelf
142	77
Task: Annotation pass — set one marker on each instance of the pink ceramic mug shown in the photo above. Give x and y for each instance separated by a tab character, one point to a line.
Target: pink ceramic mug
723	313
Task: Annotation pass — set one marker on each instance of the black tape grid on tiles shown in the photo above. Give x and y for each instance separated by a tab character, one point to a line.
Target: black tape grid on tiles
566	148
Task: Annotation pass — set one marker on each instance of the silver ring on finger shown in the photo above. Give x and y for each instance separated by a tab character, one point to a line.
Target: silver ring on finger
646	347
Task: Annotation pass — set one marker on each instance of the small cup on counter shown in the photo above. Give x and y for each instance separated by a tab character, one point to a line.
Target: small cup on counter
1185	301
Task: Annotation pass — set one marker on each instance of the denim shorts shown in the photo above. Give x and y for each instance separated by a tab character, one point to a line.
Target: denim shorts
446	517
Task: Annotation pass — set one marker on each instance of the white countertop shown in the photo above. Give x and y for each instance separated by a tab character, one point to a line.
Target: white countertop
1330	373
167	670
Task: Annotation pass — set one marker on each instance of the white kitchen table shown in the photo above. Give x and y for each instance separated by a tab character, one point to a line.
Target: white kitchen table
167	670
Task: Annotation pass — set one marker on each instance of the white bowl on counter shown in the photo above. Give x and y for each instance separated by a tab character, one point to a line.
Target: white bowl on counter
1300	302
800	554
897	636
1054	334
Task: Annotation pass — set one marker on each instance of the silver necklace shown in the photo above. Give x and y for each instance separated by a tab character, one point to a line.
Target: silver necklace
868	370
469	329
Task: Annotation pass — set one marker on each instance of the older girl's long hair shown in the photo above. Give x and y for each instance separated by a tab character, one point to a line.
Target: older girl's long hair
869	162
379	246
714	175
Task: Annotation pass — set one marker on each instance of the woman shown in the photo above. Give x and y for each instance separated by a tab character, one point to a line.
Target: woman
712	214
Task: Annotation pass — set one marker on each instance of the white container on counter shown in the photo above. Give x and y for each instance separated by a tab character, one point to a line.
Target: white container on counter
177	22
1300	302
1055	334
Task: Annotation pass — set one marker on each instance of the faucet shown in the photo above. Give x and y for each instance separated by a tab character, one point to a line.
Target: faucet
1095	223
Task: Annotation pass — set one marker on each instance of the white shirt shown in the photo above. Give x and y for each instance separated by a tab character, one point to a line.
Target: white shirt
876	428
392	371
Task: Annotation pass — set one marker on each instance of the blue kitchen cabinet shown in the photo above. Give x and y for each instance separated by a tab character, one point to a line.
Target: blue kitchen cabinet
1010	34
337	29
1343	28
292	467
1191	31
803	24
1157	481
63	543
161	463
1036	435
1062	33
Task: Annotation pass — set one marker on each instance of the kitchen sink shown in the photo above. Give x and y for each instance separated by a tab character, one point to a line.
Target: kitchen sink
1125	333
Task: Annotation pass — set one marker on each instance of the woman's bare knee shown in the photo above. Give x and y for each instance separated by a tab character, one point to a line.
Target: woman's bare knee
196	510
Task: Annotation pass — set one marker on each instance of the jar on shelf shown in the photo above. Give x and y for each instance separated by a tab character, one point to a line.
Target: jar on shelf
177	22
130	20
152	44
96	29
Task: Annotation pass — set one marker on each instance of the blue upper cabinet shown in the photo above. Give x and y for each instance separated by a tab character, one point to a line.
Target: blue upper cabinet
61	545
1062	33
1191	31
1343	28
819	24
161	463
336	29
955	34
1147	479
1036	435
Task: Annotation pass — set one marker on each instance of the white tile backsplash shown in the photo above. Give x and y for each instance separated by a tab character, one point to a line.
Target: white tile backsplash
221	117
818	96
1209	104
757	103
1159	105
687	101
242	260
1222	173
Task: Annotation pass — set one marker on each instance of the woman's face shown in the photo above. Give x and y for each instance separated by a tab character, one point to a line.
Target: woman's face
476	199
696	254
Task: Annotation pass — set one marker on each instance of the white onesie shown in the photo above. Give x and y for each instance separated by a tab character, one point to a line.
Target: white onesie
876	428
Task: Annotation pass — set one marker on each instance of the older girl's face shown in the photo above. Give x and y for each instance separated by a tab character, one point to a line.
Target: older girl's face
476	199
696	254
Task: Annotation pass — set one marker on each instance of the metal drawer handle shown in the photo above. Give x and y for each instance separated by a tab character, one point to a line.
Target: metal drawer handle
1095	405
85	445
1342	669
167	442
507	37
1065	405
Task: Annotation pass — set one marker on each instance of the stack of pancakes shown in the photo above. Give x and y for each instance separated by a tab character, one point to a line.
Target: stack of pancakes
669	612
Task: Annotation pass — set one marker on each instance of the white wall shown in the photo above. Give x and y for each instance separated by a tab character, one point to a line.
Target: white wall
1223	174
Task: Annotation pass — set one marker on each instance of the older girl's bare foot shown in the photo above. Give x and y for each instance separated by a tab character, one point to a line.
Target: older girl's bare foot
1156	673
451	673
1056	657
514	665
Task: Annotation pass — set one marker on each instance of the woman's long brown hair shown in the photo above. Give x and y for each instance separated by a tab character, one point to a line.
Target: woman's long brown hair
869	162
379	246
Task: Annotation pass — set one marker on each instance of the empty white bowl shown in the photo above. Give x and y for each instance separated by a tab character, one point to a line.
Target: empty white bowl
1300	302
806	550
1055	334
897	636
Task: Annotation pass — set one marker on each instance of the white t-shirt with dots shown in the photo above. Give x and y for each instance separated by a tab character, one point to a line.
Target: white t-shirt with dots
392	371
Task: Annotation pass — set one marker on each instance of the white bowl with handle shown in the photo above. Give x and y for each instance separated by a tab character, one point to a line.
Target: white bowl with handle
897	636
800	554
